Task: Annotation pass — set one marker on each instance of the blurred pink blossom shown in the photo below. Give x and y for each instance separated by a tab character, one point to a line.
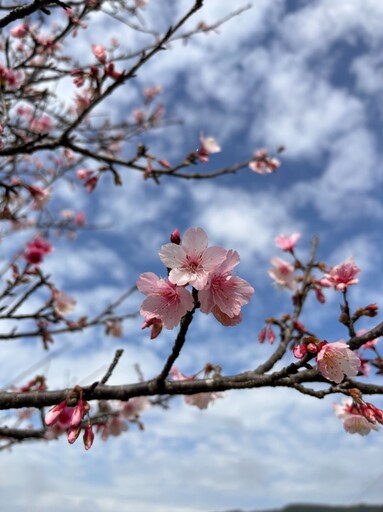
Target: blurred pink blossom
287	243
282	273
343	275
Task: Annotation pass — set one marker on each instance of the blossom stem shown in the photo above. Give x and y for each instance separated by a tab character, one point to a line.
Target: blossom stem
177	347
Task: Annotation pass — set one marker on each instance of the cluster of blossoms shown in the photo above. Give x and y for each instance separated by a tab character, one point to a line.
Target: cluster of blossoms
69	419
200	400
262	163
207	269
358	416
335	360
63	418
36	250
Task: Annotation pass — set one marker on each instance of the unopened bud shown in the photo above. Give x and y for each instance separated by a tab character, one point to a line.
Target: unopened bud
175	237
88	437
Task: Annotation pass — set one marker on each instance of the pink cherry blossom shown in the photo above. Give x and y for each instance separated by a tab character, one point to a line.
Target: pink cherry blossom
287	243
343	275
282	273
208	146
20	30
164	299
41	197
353	421
99	52
41	125
262	163
223	291
191	262
135	406
336	360
62	303
200	400
36	250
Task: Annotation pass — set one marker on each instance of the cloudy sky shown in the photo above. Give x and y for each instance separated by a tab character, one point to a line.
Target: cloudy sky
305	74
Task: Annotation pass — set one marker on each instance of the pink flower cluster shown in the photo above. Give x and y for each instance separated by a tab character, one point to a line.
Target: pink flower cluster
262	163
207	269
335	360
208	146
200	400
69	419
358	416
36	250
343	275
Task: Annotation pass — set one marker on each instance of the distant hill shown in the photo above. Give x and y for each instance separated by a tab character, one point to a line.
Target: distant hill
322	508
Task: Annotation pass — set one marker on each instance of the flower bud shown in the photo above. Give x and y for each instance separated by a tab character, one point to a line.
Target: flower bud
88	437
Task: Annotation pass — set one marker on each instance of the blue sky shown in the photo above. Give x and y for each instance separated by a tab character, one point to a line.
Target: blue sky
305	74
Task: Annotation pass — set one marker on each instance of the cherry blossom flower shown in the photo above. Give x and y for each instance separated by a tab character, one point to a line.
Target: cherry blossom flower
14	78
164	299
62	303
343	275
36	250
152	92
223	291
287	243
41	197
191	262
208	146
282	273
353	421
135	406
336	360
41	125
114	427
99	52
200	400
20	30
262	163
83	174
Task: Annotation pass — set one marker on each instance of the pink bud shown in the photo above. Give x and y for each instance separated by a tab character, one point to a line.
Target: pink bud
262	335
175	237
271	336
78	413
73	434
88	436
52	415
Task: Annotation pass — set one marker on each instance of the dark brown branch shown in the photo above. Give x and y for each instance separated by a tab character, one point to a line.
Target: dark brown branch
177	347
38	5
188	387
